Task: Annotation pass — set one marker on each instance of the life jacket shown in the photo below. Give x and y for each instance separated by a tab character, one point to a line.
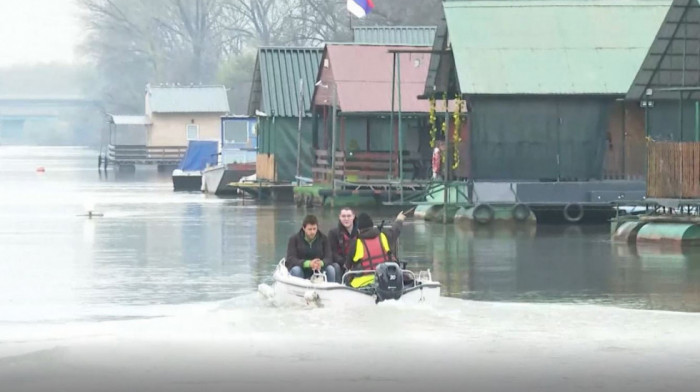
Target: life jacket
369	253
344	240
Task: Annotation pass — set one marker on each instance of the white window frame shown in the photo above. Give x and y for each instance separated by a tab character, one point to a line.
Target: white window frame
247	136
187	131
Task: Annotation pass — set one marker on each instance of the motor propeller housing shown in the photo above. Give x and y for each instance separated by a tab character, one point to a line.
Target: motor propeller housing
388	281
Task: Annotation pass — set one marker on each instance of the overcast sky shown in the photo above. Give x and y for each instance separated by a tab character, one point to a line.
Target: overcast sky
36	31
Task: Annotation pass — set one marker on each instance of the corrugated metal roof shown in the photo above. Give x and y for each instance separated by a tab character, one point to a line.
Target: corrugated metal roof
191	99
363	76
276	81
670	61
395	35
551	47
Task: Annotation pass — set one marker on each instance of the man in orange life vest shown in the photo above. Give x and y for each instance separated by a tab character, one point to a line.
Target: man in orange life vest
372	248
343	236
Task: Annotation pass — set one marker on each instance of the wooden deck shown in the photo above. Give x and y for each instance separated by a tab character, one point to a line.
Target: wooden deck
264	190
145	155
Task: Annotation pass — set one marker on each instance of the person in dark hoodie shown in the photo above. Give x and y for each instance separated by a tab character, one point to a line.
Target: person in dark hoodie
343	236
309	251
372	247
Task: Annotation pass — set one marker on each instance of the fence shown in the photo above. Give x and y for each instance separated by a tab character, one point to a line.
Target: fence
674	170
145	155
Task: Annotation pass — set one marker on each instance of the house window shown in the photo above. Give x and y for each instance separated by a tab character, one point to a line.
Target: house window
236	131
192	131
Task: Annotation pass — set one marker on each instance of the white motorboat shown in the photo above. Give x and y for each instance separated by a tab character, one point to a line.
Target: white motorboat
217	178
391	283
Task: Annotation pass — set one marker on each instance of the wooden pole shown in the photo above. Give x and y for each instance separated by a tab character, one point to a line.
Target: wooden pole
398	76
446	174
680	115
300	104
624	140
333	143
391	123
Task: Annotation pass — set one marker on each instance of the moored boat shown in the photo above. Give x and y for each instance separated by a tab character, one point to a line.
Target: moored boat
200	154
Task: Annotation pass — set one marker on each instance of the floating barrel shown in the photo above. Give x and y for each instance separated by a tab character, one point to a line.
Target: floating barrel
483	213
627	232
678	233
573	212
462	214
520	212
421	211
434	213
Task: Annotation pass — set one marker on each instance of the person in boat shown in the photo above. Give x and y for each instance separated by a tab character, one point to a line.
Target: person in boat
309	251
343	236
371	248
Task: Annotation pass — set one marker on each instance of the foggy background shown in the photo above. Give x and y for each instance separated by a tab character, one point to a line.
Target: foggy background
106	51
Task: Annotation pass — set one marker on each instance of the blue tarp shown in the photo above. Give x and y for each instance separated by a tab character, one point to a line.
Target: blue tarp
199	154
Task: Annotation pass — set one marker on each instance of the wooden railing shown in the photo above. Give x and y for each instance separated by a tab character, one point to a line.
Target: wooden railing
322	170
363	165
674	170
146	155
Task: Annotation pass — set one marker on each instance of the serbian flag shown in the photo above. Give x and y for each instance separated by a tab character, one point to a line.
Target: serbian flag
360	8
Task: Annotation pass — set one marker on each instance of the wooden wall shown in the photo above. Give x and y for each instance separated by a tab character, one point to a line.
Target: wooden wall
265	167
674	170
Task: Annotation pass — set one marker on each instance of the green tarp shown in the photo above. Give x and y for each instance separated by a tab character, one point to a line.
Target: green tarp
278	136
540	138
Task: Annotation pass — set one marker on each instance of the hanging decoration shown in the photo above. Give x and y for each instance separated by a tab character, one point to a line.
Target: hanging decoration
456	139
447	109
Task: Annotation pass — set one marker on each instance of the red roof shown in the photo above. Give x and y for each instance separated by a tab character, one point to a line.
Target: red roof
363	75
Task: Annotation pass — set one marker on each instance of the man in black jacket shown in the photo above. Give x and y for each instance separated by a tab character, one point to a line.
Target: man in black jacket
308	251
343	236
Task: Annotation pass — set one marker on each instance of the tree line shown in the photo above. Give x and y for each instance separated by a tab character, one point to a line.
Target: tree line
134	42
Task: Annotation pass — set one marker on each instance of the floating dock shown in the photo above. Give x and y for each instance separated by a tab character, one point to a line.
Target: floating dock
671	222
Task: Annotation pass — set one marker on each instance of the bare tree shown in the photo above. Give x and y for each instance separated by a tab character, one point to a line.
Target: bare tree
134	42
190	31
267	22
123	49
320	21
407	12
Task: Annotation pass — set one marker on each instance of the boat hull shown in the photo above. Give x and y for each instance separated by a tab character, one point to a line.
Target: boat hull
292	290
218	178
212	178
187	181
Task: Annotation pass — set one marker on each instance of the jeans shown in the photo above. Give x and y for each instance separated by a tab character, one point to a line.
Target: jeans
330	271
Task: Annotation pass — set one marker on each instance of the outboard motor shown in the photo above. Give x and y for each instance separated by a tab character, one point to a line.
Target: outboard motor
388	280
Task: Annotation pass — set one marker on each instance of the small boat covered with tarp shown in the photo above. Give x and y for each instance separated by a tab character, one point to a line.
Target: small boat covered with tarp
200	154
